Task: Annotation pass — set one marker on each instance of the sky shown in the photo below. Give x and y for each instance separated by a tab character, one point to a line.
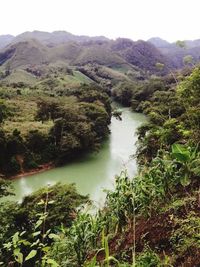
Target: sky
135	19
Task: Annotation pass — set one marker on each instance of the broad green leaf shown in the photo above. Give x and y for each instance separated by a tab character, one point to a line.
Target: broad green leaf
7	245
35	243
37	233
15	238
16	252
41	202
52	263
183	158
31	255
54	236
180	153
48	231
19	258
25	242
46	249
22	233
38	223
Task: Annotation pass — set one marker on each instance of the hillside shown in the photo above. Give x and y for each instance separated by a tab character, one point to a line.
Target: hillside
32	53
141	54
24	53
47	38
158	42
57	37
81	50
175	53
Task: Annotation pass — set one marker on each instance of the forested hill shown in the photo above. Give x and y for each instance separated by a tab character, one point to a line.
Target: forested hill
179	50
41	48
80	50
36	50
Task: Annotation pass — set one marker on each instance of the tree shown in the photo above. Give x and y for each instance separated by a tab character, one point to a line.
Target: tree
5	188
188	60
160	67
180	44
47	109
4	110
62	209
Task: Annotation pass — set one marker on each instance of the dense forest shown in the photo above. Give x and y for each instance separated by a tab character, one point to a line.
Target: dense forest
37	128
56	112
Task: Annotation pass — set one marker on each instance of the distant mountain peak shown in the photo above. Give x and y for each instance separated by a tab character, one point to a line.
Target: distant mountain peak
158	42
5	40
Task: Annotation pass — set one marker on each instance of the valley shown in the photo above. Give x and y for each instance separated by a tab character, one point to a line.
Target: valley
118	122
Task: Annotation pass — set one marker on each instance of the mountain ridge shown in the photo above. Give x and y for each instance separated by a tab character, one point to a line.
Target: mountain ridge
35	51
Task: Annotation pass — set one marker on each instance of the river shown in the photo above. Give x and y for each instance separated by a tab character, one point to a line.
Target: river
94	172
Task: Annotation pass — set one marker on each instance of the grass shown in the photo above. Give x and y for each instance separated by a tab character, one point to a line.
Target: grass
99	54
20	75
81	77
115	73
121	69
23	117
63	81
26	126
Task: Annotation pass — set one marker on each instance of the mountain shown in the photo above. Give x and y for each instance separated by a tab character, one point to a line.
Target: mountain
56	37
175	53
5	40
34	54
24	53
158	42
192	44
26	50
141	54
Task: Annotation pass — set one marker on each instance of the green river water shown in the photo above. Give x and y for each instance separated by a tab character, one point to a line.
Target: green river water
93	172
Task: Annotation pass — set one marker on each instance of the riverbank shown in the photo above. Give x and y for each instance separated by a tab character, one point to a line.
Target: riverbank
91	172
40	169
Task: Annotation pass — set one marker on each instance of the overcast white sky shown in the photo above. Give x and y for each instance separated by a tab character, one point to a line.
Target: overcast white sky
135	19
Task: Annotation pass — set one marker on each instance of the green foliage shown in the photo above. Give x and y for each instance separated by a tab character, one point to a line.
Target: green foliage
52	129
180	44
189	158
186	235
188	60
62	208
82	237
149	258
174	117
4	110
159	66
46	229
35	247
120	202
37	221
47	109
132	93
155	183
5	188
